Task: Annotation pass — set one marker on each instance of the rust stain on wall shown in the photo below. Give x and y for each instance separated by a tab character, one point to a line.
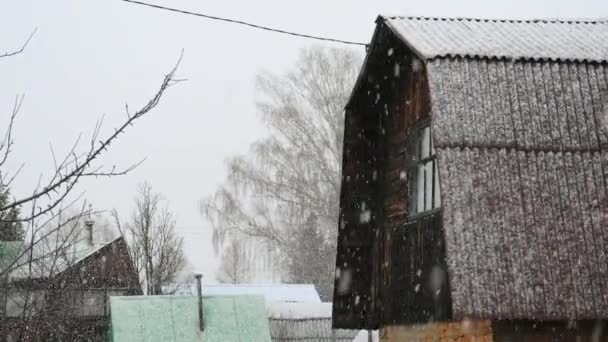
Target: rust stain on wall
464	331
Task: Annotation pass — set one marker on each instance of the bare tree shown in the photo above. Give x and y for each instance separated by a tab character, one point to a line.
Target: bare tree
294	172
50	234
156	249
234	267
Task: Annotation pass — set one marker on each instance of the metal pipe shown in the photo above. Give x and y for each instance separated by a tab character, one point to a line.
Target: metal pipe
200	300
89	226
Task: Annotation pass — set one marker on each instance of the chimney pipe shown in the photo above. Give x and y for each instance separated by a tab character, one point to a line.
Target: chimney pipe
200	300
89	226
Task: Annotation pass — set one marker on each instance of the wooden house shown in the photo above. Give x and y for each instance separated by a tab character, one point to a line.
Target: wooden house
65	294
474	184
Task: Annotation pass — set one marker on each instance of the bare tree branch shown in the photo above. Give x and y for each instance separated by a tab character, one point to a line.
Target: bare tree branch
9	54
71	170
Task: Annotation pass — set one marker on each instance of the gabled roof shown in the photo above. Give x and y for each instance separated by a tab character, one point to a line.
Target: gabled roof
539	39
175	319
49	260
271	292
542	39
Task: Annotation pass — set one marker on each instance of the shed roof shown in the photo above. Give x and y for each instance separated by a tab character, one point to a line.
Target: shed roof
542	39
175	319
304	322
271	292
48	259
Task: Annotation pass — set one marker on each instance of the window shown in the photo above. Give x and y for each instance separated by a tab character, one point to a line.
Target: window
16	300
87	302
424	175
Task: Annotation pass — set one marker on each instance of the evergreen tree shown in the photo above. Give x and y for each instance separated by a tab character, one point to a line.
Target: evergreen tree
10	228
310	258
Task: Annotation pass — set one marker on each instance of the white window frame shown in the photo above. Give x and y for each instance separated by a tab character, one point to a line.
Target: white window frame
424	173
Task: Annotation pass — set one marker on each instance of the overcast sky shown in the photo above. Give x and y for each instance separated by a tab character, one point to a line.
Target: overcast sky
90	57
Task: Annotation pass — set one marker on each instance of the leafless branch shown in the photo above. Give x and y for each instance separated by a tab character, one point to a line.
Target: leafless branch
74	166
9	54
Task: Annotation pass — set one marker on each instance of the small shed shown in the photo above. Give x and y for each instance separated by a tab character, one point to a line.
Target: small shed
290	322
176	319
474	186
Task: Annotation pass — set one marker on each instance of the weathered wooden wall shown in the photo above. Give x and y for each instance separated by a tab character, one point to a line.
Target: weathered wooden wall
354	304
415	285
376	249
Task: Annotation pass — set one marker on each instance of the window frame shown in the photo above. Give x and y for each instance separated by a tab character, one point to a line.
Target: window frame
413	162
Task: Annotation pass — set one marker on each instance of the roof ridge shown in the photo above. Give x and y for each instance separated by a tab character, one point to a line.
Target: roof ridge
263	285
601	20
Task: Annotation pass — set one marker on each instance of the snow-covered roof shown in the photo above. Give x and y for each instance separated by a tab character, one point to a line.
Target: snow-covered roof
48	259
304	322
549	39
282	310
271	292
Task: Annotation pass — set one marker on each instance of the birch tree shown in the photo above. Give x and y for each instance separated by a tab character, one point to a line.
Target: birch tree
294	172
234	267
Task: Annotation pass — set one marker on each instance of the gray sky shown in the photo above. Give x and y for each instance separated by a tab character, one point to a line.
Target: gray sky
90	57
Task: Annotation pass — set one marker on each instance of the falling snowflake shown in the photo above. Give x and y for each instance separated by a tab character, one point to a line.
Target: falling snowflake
365	216
416	65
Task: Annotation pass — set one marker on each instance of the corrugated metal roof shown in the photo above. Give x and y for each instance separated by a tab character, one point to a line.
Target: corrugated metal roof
582	40
523	161
175	319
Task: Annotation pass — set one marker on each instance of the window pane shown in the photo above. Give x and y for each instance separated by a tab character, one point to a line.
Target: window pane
92	305
420	189
424	142
428	186
437	203
431	142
